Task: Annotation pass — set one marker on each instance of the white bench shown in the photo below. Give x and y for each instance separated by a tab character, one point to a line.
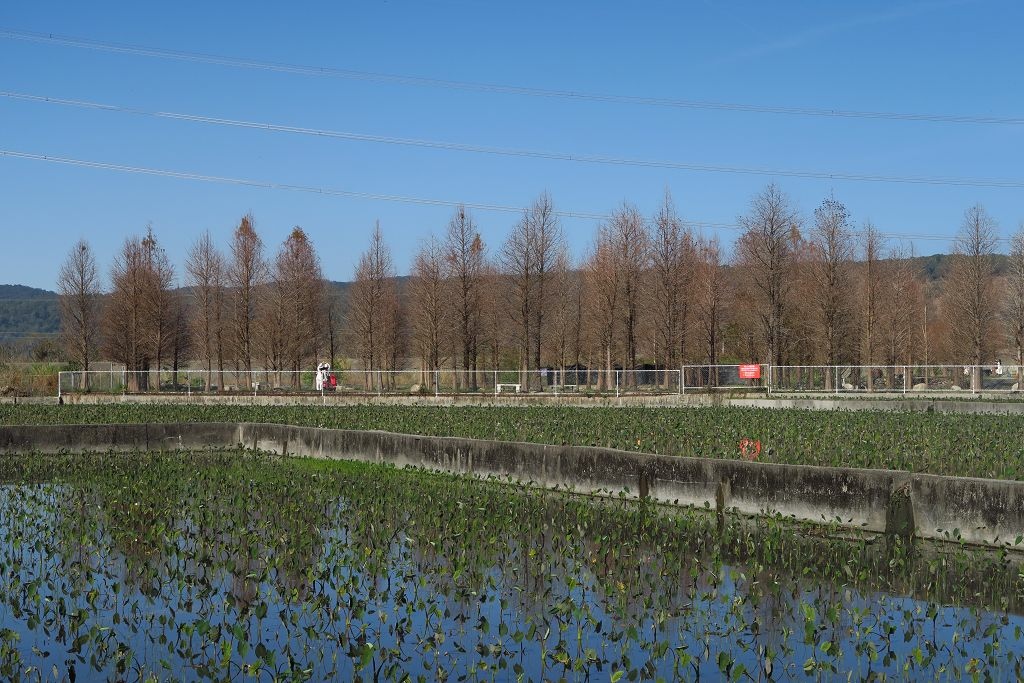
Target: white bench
499	387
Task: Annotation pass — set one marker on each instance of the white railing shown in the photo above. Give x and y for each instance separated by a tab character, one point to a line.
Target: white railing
899	379
544	382
783	379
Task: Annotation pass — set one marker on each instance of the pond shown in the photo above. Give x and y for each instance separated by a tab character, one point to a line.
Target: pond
232	565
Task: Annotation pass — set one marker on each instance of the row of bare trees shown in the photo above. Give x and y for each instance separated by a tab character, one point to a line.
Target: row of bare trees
235	311
650	292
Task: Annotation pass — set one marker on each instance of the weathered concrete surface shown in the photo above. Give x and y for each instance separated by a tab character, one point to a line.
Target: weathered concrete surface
29	400
926	506
890	404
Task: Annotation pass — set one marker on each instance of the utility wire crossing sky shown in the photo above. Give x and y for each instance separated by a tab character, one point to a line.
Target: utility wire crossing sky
886	109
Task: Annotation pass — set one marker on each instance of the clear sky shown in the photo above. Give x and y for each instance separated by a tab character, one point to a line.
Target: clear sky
934	57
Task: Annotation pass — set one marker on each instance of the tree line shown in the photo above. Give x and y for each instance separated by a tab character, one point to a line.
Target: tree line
650	292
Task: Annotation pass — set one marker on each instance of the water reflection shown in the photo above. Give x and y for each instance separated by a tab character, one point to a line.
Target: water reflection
228	565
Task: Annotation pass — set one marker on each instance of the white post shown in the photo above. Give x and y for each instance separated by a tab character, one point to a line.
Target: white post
495	382
617	383
437	383
59	373
682	382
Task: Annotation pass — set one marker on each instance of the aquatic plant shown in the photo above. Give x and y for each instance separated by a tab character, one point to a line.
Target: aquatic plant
228	564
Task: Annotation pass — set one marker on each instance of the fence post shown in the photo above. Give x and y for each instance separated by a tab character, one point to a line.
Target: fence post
682	381
616	384
904	380
59	373
835	378
437	383
495	382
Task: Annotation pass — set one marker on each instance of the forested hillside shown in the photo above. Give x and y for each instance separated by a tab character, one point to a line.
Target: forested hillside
27	314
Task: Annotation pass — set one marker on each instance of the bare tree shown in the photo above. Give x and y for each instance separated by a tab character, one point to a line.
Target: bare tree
528	260
161	318
79	288
711	290
429	291
628	232
565	318
181	338
1015	300
246	277
765	251
373	303
204	276
139	319
335	320
970	290
833	251
299	286
870	285
465	257
673	262
495	336
901	302
124	316
601	278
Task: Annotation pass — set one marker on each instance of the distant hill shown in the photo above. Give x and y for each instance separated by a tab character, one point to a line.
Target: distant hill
936	266
27	314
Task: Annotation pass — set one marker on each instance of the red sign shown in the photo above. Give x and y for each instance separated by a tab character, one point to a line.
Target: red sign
750	371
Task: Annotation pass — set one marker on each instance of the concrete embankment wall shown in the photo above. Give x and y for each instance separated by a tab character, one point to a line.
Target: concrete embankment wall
893	404
983	511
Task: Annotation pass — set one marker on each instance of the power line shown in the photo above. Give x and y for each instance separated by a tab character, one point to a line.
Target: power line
400	79
281	186
533	154
245	182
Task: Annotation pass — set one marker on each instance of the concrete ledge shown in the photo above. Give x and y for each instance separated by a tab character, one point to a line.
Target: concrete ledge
892	404
926	506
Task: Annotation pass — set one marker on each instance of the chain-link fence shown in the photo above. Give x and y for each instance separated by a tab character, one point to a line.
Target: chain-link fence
903	379
833	379
545	382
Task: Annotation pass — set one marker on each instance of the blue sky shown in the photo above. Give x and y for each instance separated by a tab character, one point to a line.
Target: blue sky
950	58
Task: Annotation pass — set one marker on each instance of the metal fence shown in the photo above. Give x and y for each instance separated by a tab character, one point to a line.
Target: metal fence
902	379
544	382
831	379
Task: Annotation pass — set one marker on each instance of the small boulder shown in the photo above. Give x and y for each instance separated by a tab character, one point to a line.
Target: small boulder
847	386
921	386
414	389
955	387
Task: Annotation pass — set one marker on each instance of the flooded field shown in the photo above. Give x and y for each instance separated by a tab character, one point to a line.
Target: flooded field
229	565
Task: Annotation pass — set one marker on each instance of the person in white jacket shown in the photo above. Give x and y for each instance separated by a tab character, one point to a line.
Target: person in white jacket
322	371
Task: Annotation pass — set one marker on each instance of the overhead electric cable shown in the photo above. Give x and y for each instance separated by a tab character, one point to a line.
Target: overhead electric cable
534	154
245	182
400	79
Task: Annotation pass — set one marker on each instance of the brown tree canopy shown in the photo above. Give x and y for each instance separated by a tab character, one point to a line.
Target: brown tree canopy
651	294
78	287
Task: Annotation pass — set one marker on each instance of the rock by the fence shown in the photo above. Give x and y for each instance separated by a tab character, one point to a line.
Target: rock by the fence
920	386
8	391
847	386
955	387
414	389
